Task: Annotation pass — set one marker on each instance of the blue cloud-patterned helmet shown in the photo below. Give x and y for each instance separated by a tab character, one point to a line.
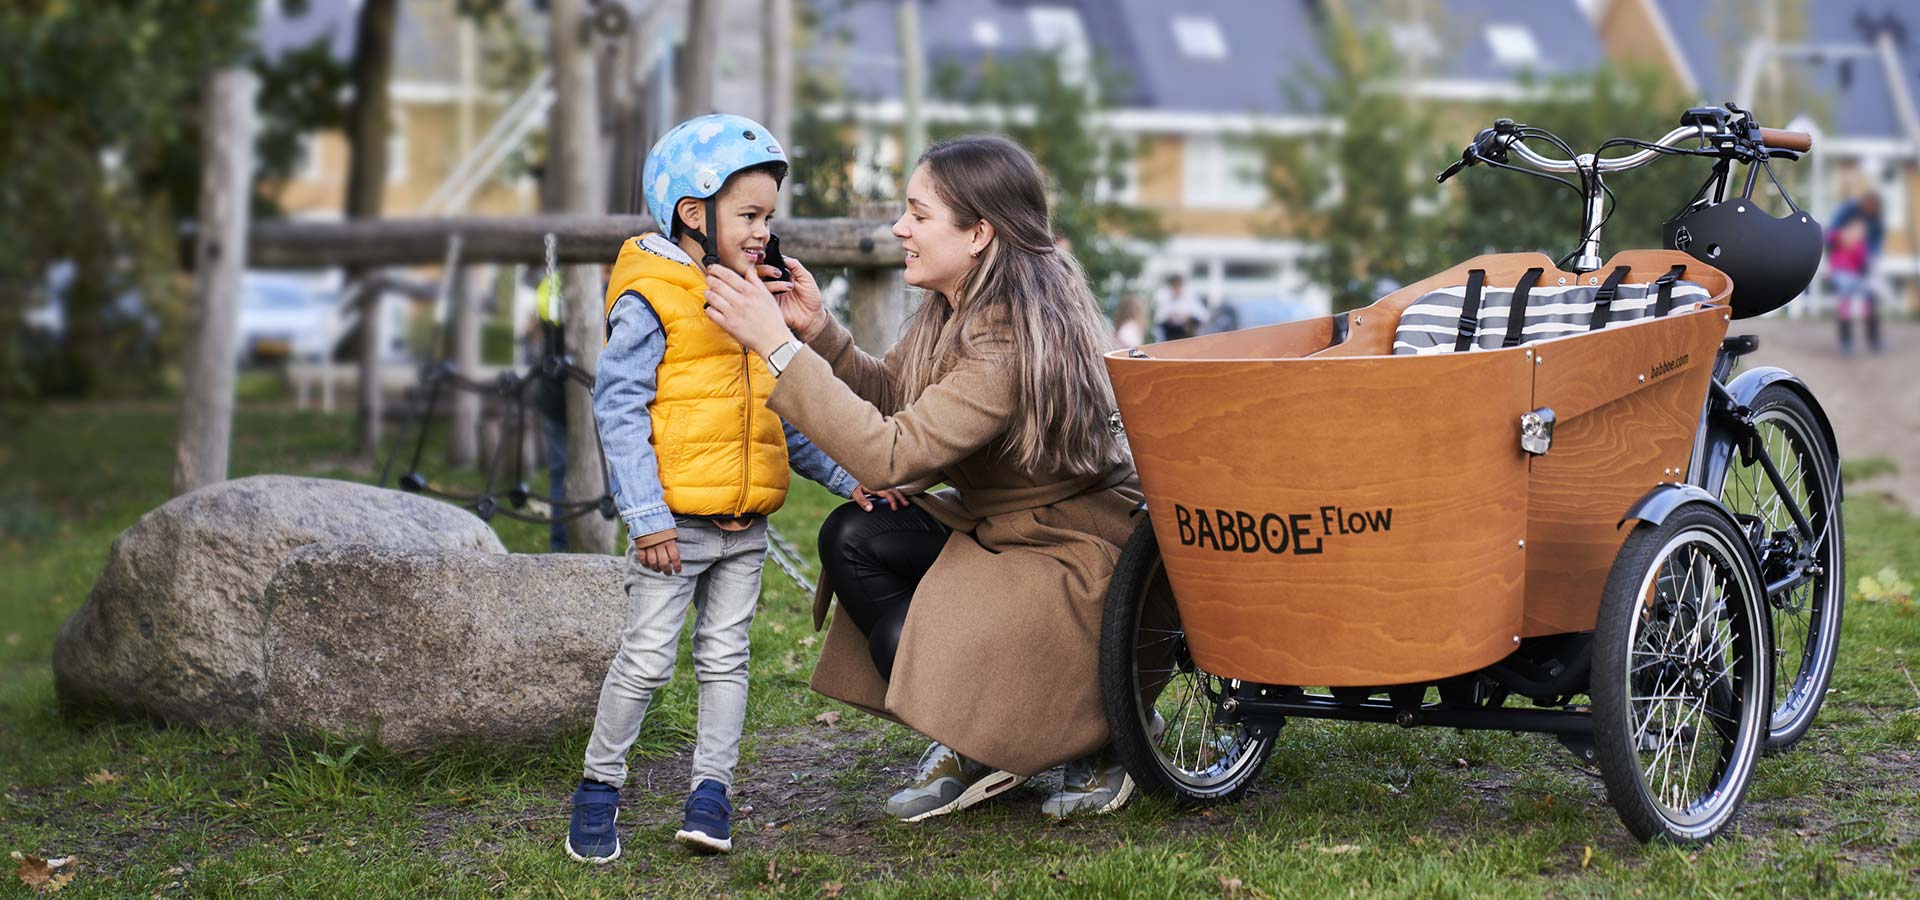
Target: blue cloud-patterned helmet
699	155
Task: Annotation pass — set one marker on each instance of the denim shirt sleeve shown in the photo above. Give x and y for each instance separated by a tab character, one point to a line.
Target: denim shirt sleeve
814	463
623	389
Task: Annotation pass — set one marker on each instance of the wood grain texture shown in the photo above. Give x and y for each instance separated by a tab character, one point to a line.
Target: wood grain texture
1617	437
1274	424
1436	592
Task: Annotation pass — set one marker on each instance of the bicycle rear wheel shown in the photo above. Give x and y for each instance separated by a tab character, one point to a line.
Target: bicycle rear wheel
1806	610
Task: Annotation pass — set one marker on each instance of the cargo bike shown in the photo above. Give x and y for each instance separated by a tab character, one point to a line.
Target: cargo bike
1510	496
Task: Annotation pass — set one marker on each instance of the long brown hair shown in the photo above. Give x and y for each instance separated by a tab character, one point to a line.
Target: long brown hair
1038	290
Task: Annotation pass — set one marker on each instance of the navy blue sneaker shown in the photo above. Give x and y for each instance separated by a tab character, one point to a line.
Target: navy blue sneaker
708	812
592	836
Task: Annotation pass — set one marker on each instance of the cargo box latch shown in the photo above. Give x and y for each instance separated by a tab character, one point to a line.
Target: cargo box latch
1536	431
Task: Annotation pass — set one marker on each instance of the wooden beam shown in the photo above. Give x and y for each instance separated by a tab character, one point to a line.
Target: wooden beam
855	243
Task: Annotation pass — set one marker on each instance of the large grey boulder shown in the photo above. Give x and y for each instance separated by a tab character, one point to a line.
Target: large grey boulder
416	649
175	626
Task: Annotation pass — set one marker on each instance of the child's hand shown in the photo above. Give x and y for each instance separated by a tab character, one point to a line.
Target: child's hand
864	496
663	557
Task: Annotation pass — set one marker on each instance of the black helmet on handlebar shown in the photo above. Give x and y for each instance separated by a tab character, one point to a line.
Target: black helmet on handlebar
1771	259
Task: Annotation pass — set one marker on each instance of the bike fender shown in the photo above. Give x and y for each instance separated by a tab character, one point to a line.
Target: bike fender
1745	387
1656	505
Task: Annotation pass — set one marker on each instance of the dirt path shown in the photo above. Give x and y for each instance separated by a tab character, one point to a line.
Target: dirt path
1873	400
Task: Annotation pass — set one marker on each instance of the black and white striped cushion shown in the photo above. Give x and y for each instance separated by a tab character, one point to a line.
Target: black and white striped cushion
1432	323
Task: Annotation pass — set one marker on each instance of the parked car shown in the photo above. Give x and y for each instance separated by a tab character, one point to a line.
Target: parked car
286	317
1235	313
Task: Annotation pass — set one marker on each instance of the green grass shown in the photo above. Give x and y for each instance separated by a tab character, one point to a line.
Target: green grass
1342	810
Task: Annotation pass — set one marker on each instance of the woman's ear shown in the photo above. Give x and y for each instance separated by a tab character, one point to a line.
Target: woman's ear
981	237
693	213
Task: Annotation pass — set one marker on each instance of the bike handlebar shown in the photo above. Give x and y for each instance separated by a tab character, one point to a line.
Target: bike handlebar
1705	132
1781	139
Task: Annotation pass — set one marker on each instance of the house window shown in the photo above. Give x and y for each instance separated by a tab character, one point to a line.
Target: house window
986	33
1199	37
1222	174
1413	40
1513	45
307	164
1057	29
396	147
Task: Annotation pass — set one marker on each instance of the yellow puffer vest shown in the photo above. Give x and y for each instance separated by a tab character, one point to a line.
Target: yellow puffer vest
720	450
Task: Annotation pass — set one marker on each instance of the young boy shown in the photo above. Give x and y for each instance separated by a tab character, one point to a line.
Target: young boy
696	460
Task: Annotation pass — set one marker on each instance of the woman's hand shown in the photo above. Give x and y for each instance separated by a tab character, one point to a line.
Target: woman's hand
864	496
799	299
743	308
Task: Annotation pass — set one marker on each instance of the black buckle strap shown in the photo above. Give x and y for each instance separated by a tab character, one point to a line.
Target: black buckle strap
1517	311
1470	311
1603	300
1663	301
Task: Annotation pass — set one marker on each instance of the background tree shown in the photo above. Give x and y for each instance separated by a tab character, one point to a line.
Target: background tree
1362	197
1056	114
1505	211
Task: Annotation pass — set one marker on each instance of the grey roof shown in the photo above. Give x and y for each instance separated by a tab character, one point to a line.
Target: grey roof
1269	44
425	46
1860	106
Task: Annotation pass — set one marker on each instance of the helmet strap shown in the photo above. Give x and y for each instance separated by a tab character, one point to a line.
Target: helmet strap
710	249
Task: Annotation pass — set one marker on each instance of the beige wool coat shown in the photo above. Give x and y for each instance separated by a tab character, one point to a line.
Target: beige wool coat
999	655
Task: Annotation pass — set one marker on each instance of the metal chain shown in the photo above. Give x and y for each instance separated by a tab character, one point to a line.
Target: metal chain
788	559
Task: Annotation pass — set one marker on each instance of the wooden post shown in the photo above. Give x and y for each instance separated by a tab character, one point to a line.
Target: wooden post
913	86
697	57
876	297
777	79
462	307
226	187
575	157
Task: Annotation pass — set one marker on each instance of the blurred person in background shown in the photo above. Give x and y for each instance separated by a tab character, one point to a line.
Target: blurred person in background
1179	313
1853	247
1130	320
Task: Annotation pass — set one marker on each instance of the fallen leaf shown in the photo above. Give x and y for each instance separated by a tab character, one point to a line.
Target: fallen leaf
1460	763
832	889
1230	886
1341	848
1586	857
44	875
34	871
828	718
13	638
103	777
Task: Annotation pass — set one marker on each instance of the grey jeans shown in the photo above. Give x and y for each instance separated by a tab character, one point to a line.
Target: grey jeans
720	578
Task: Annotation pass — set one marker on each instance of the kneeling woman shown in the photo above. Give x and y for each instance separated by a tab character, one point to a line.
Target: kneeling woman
971	614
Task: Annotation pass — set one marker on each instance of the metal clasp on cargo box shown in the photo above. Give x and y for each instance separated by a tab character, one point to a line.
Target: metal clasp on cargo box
1114	425
1536	431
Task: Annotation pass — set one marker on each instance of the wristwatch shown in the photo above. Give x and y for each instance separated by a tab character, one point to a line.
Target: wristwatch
782	356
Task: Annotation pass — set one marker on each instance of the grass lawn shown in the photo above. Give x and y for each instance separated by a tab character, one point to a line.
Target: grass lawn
1342	810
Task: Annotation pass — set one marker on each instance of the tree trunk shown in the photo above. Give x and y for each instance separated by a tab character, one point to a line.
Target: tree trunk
574	159
698	70
368	122
207	375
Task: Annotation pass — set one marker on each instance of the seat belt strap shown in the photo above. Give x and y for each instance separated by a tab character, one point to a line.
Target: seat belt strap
1470	311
